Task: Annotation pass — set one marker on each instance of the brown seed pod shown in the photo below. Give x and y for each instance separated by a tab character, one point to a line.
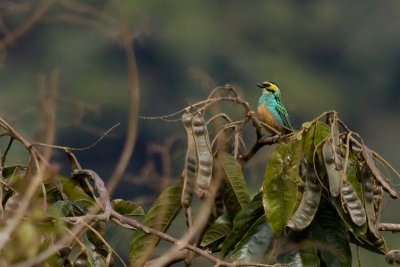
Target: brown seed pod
393	257
353	204
190	170
387	186
334	175
367	180
335	143
309	204
204	155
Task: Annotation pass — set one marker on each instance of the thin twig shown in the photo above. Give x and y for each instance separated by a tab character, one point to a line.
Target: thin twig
78	148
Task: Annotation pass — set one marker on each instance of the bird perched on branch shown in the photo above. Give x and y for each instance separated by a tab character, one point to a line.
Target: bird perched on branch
270	108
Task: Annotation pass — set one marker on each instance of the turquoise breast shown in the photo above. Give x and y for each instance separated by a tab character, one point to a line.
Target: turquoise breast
270	102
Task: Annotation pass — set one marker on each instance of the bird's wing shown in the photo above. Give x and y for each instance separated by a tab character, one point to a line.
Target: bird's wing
284	115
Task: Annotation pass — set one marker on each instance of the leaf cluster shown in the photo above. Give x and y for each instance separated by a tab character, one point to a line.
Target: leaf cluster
323	190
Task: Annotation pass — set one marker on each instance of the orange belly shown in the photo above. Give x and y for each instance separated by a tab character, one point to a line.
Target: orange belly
267	117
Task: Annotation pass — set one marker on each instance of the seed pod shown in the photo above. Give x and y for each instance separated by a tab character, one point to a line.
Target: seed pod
335	143
334	175
366	180
377	200
190	161
387	186
353	204
309	204
393	257
204	156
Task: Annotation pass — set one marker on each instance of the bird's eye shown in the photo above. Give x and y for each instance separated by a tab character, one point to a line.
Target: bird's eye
266	85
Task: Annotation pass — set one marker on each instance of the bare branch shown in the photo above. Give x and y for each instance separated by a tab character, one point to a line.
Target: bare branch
133	116
389	227
26	25
179	242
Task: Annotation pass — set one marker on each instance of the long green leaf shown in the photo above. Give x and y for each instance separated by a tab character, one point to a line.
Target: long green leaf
353	174
159	217
280	190
256	244
358	234
322	131
309	146
234	190
359	231
74	192
331	237
217	232
294	159
127	208
242	222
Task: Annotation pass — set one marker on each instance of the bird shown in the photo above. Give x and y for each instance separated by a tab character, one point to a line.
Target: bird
270	108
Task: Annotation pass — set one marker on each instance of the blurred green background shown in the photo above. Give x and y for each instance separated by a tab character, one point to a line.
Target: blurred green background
324	55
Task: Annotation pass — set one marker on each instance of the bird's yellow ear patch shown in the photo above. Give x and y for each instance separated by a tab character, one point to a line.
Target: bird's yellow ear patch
270	86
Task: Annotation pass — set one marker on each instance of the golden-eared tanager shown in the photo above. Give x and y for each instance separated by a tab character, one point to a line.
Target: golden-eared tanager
270	108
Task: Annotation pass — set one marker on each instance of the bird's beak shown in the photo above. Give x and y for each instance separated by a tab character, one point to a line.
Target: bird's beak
260	85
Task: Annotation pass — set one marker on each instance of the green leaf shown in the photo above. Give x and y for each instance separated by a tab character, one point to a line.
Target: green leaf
300	254
322	131
54	193
15	170
280	190
331	237
127	208
294	160
358	234
352	174
68	208
358	231
234	190
256	243
242	222
217	232
74	192
95	259
159	217
309	143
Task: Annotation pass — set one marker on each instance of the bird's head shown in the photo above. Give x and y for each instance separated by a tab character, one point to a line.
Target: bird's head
269	87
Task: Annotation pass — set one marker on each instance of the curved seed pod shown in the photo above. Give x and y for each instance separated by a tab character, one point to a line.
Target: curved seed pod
366	180
204	156
334	175
387	186
190	161
353	204
378	196
309	204
393	257
337	154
